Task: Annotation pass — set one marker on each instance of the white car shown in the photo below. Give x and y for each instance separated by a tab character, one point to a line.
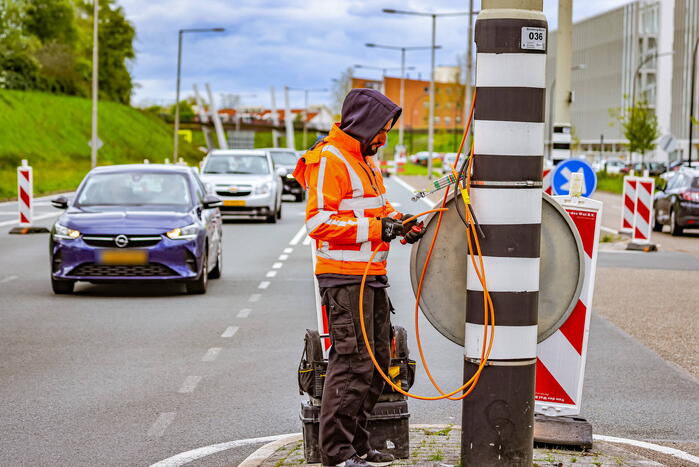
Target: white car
247	182
614	166
448	162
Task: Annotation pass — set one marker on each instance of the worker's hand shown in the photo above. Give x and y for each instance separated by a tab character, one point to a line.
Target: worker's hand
415	233
390	228
409	225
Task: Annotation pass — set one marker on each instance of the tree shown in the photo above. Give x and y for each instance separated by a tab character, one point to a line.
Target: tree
340	88
640	125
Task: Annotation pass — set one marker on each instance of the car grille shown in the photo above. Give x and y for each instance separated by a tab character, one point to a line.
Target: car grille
241	190
108	270
135	241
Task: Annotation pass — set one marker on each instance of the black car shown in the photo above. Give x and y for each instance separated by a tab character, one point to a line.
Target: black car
677	205
286	159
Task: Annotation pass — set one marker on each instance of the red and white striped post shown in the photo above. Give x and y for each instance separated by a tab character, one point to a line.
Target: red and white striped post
628	208
25	194
643	214
547	182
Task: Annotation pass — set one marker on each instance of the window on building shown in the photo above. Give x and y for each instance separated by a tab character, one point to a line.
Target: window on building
447	121
436	119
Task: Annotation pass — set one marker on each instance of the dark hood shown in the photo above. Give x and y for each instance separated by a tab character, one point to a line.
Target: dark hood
365	112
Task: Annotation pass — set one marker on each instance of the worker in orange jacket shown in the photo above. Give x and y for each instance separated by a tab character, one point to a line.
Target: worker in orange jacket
348	216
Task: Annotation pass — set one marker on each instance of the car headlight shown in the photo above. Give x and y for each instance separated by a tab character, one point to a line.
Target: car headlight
289	175
263	188
64	233
188	232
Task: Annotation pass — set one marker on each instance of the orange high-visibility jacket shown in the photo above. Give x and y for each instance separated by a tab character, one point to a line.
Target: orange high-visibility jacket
346	201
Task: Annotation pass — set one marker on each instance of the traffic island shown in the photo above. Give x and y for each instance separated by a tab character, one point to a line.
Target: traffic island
440	446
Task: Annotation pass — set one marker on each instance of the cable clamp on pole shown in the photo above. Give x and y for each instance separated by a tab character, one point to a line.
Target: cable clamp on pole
521	184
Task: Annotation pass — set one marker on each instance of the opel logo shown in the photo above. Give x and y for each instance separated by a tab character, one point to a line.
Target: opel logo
121	241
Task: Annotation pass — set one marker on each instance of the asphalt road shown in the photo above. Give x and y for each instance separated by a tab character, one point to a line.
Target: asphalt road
131	375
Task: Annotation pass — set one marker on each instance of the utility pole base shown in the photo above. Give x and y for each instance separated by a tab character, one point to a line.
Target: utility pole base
568	432
28	230
647	247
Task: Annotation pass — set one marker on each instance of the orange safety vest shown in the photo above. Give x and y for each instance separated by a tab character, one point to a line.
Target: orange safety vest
346	201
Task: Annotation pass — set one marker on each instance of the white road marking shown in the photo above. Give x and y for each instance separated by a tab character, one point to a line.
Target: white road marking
190	383
211	354
8	213
190	456
8	279
271	274
230	331
607	229
35	218
254	297
161	424
263	285
653	447
412	190
283	257
288	250
244	313
297	238
307	241
277	265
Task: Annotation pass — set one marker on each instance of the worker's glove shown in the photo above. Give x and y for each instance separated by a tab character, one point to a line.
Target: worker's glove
414	234
409	225
390	228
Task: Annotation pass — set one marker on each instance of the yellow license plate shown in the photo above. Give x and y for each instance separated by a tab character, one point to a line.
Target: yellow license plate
234	202
123	257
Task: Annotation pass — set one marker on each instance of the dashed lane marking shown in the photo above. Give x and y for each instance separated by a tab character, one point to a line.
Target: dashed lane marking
190	384
307	240
283	257
244	313
297	238
263	285
288	250
254	297
230	331
211	354
277	265
161	424
8	279
271	273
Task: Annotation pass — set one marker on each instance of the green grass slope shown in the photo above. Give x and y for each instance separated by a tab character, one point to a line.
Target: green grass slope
51	132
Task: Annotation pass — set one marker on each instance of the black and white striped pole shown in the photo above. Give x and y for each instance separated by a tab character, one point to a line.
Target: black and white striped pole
498	416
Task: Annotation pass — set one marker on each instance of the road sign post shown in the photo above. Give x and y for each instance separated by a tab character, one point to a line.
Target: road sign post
628	208
25	201
643	215
498	416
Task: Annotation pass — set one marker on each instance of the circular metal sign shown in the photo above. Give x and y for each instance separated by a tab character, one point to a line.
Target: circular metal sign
443	297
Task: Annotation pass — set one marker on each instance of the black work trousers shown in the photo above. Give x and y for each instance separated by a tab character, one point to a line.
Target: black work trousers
352	384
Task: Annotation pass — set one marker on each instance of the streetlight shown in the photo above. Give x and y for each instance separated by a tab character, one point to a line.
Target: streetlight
691	102
179	71
638	71
95	60
430	126
402	75
579	66
305	110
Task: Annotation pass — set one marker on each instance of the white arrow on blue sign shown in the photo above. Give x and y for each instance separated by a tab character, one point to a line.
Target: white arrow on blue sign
560	181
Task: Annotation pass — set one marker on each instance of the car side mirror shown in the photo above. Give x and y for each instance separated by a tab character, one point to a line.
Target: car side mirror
281	171
60	202
211	201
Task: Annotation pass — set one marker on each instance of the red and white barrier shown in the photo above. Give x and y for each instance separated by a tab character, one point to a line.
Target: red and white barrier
25	194
560	367
643	210
628	209
547	182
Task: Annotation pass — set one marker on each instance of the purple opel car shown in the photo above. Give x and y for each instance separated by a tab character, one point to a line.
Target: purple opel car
137	223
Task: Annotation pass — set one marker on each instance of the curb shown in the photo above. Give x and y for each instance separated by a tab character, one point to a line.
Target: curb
257	457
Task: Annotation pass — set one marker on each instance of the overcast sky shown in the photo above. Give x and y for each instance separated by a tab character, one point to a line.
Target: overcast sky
299	43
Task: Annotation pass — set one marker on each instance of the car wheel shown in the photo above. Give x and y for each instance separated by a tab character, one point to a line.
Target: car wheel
675	229
279	211
216	271
62	287
657	226
272	218
198	286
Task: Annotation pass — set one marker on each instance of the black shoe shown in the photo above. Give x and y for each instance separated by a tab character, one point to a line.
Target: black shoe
378	458
354	461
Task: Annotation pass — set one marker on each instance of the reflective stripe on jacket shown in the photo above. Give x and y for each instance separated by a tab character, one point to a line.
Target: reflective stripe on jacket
346	200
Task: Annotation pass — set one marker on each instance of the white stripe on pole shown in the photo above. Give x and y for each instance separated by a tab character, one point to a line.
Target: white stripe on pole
513	206
509	138
509	342
506	274
511	70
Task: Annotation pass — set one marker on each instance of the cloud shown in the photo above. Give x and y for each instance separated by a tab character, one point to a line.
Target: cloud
299	43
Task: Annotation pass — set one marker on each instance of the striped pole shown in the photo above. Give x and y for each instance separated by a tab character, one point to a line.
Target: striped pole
643	211
629	204
498	416
548	189
25	192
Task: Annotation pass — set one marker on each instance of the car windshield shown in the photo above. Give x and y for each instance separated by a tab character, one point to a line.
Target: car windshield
135	189
284	158
251	164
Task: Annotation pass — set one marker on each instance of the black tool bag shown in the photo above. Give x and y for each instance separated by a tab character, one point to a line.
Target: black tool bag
313	368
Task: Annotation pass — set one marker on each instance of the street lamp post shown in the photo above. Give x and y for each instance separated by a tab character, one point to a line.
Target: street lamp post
430	124
402	77
95	61
181	32
638	71
691	99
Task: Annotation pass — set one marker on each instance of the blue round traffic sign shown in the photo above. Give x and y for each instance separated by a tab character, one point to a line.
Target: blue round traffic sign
560	181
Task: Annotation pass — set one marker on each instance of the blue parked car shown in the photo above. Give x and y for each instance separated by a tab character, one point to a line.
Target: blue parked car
137	223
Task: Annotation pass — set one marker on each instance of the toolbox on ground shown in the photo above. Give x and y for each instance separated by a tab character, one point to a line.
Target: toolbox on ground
388	429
